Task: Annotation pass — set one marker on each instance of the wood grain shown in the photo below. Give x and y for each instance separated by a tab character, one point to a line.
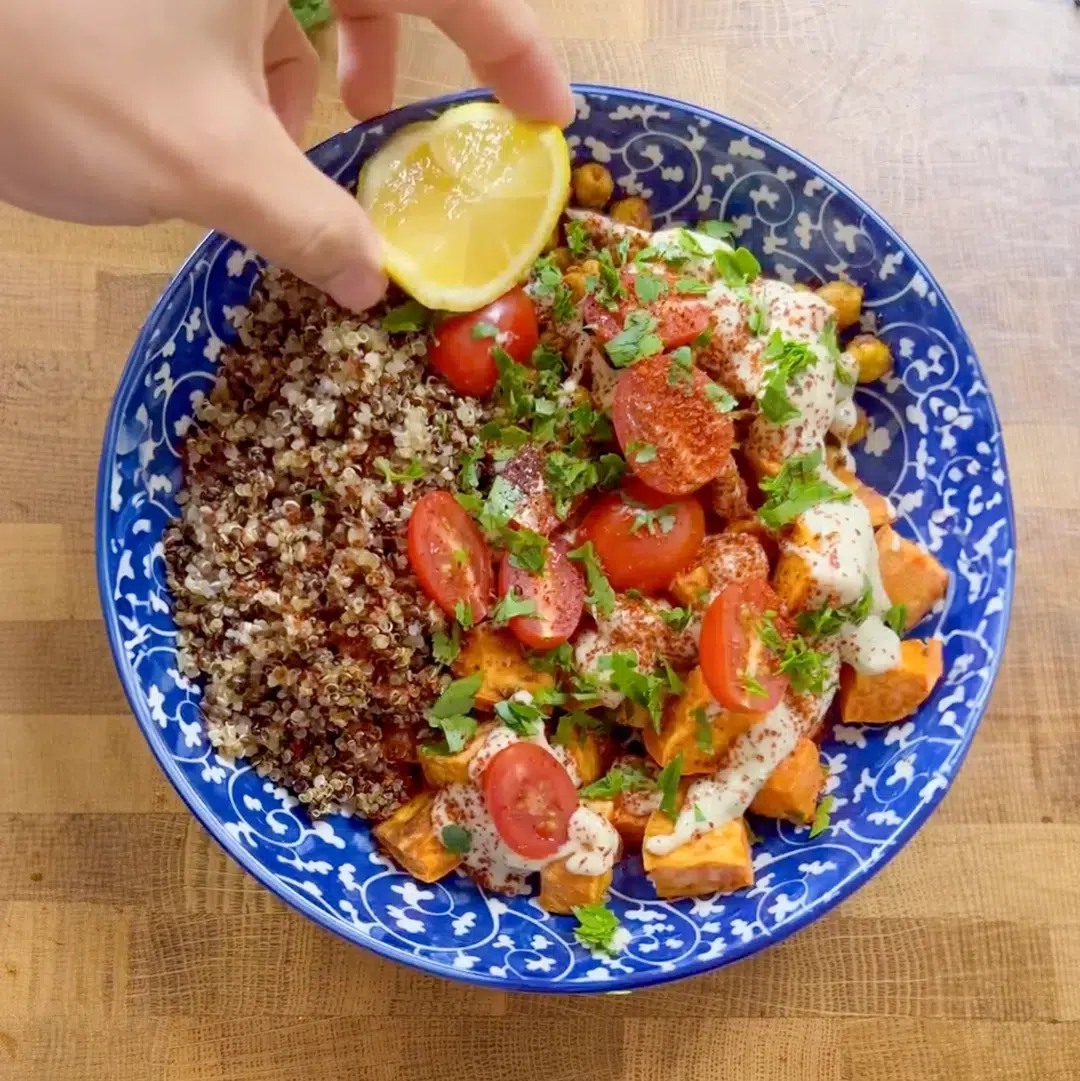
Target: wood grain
131	949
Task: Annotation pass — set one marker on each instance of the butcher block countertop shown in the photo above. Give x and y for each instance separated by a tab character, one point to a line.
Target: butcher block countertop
133	949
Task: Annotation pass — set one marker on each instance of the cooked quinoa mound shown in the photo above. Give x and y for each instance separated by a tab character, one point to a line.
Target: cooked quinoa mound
294	598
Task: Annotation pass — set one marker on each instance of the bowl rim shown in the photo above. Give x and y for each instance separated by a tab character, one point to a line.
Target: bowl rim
203	814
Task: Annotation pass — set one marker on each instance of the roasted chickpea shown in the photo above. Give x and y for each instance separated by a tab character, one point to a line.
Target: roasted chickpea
592	185
633	210
846	300
562	258
576	275
873	357
858	433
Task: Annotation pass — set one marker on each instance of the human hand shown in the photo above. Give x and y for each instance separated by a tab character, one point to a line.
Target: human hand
132	111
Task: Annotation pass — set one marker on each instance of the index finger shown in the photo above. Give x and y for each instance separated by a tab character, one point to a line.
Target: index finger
505	43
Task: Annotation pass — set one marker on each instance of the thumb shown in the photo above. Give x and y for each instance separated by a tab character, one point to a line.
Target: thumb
272	199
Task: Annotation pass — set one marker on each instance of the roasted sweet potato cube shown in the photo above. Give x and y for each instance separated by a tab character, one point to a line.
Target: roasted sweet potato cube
792	790
680	729
881	511
497	654
756	528
630	818
719	861
443	769
723	558
728	494
691	586
562	892
588	753
409	836
792	580
895	694
911	575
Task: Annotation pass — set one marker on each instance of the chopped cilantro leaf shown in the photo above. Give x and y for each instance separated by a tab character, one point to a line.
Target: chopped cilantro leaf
484	330
446	647
646	689
456	839
753	686
640	452
758	320
896	618
826	620
311	14
469	473
499	506
648	287
723	400
522	718
678	619
690	243
458	697
410	316
601	597
821	816
681	368
636	341
609	468
609	288
577	239
510	606
619	779
463	614
807	669
703	731
568	477
596	928
785	360
660	518
546	359
675	684
703	338
622	250
550	660
691	285
527	549
413	471
795	489
574	726
736	267
668	783
461	557
699	814
718	230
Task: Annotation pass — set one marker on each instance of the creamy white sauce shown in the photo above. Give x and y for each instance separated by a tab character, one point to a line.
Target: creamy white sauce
869	647
716	800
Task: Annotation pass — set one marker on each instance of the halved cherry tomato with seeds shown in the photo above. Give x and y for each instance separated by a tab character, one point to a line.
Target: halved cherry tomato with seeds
736	664
557	594
663	407
644	538
530	798
461	353
449	555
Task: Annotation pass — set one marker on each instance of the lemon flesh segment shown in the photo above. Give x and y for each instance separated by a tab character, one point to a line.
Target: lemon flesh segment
465	204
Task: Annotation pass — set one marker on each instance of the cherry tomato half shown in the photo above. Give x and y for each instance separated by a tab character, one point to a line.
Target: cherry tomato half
530	798
734	661
449	555
644	538
461	353
674	438
557	593
679	319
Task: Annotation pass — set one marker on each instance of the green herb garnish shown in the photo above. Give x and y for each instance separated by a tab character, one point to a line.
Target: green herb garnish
678	619
577	239
724	401
410	316
601	597
446	647
896	618
596	929
785	359
640	452
703	731
456	839
648	287
484	330
738	267
574	726
826	620
795	489
619	779
691	285
821	816
668	783
522	718
413	471
637	340
718	230
510	606
463	614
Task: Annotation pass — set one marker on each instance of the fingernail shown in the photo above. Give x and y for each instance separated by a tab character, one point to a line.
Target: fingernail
357	288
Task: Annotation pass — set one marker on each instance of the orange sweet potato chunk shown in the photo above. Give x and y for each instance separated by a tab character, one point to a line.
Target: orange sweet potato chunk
561	891
893	695
590	754
442	769
718	861
409	836
497	654
878	506
911	575
792	790
679	728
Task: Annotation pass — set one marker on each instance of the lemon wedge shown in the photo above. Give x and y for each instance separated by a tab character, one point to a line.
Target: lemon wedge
464	204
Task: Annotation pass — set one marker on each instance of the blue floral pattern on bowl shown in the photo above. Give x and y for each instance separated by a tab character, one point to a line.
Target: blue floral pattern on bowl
934	445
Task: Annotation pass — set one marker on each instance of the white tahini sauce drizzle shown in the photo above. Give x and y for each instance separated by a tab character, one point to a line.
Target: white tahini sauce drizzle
716	800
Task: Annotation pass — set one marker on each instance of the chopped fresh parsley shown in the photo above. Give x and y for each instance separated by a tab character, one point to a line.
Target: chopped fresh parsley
753	686
757	322
703	731
826	620
410	316
463	614
691	285
678	619
446	647
668	783
738	267
699	814
619	779
568	477
896	618
601	597
499	506
807	669
577	239
637	339
413	471
646	689
665	251
722	399
660	519
450	713
831	345
315	495
596	928
821	817
703	338
609	469
622	250
550	660
795	489
527	549
718	230
640	452
681	368
522	718
510	606
690	244
548	284
469	471
675	684
482	329
456	839
785	359
609	287
649	287
574	726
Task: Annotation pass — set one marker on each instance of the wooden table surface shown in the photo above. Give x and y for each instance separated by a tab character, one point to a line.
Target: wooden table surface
133	949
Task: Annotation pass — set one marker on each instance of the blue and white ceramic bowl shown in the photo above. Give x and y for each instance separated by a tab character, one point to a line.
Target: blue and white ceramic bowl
934	446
